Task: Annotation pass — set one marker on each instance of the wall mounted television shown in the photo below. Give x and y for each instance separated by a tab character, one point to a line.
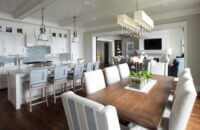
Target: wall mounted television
153	44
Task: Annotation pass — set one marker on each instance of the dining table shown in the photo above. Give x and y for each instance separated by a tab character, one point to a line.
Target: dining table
144	109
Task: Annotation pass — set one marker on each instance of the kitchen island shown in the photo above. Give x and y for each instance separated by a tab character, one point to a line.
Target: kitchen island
15	87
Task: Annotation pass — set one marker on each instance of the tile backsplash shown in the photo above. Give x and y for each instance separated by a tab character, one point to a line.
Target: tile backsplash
36	53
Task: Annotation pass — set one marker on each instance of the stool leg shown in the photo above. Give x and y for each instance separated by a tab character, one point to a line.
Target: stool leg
42	93
46	95
54	93
74	83
30	98
82	84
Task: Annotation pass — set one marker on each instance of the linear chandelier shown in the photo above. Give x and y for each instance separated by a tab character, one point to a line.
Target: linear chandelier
137	26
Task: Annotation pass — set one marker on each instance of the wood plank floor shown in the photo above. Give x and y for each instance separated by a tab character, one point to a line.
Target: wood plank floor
53	117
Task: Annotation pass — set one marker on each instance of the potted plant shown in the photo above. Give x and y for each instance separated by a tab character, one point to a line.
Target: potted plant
139	80
80	60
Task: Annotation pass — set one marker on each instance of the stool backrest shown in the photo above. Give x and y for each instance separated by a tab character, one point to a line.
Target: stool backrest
89	67
78	69
60	72
96	65
38	76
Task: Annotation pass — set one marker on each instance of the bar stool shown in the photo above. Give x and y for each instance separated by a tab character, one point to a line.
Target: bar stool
96	65
59	78
89	67
37	80
78	74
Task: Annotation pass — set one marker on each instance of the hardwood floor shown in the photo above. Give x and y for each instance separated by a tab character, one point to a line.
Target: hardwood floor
53	117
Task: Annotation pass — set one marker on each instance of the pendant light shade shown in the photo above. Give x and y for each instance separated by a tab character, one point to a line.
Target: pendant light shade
42	36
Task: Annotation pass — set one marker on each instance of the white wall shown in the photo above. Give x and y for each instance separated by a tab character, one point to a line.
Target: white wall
176	36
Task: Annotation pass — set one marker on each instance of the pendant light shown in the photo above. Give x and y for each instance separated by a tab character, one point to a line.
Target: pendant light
42	36
75	33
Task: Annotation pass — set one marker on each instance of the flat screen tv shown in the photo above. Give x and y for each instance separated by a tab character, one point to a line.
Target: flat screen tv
153	44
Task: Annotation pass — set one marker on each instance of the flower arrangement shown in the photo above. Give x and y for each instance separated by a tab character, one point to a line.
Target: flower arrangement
139	80
80	60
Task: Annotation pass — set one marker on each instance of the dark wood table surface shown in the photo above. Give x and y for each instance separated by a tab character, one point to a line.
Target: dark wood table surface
140	108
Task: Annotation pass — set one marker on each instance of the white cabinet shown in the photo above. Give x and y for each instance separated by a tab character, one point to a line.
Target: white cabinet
12	44
59	45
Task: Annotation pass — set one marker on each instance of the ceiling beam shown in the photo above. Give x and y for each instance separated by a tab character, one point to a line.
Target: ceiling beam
31	7
110	12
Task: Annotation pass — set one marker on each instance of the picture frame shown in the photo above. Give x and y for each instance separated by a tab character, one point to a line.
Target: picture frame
130	47
65	35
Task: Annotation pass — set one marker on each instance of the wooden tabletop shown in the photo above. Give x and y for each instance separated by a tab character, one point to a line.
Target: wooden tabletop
140	108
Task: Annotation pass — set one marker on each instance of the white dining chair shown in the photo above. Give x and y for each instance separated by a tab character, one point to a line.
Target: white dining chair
185	75
85	114
124	70
158	68
181	110
94	81
112	75
182	106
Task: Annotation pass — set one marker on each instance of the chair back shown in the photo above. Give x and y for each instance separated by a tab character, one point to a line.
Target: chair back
124	70
78	69
85	114
158	68
60	72
185	76
89	67
96	65
180	66
182	106
38	76
112	75
94	81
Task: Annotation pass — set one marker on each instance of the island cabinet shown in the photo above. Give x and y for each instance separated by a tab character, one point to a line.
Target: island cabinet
16	95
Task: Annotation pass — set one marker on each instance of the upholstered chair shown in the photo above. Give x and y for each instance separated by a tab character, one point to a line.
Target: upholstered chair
158	68
182	106
96	65
89	67
37	81
77	75
59	79
112	75
85	114
185	75
124	70
94	81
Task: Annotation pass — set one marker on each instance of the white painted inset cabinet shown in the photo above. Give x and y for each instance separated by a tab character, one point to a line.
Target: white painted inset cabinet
12	44
58	45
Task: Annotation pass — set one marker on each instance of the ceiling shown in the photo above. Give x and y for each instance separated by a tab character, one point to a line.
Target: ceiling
92	13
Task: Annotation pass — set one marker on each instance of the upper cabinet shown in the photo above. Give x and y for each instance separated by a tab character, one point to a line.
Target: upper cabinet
12	44
58	45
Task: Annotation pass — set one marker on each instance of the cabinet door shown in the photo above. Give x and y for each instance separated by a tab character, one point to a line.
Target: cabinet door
9	44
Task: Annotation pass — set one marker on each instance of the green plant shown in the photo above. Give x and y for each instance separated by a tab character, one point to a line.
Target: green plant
143	74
